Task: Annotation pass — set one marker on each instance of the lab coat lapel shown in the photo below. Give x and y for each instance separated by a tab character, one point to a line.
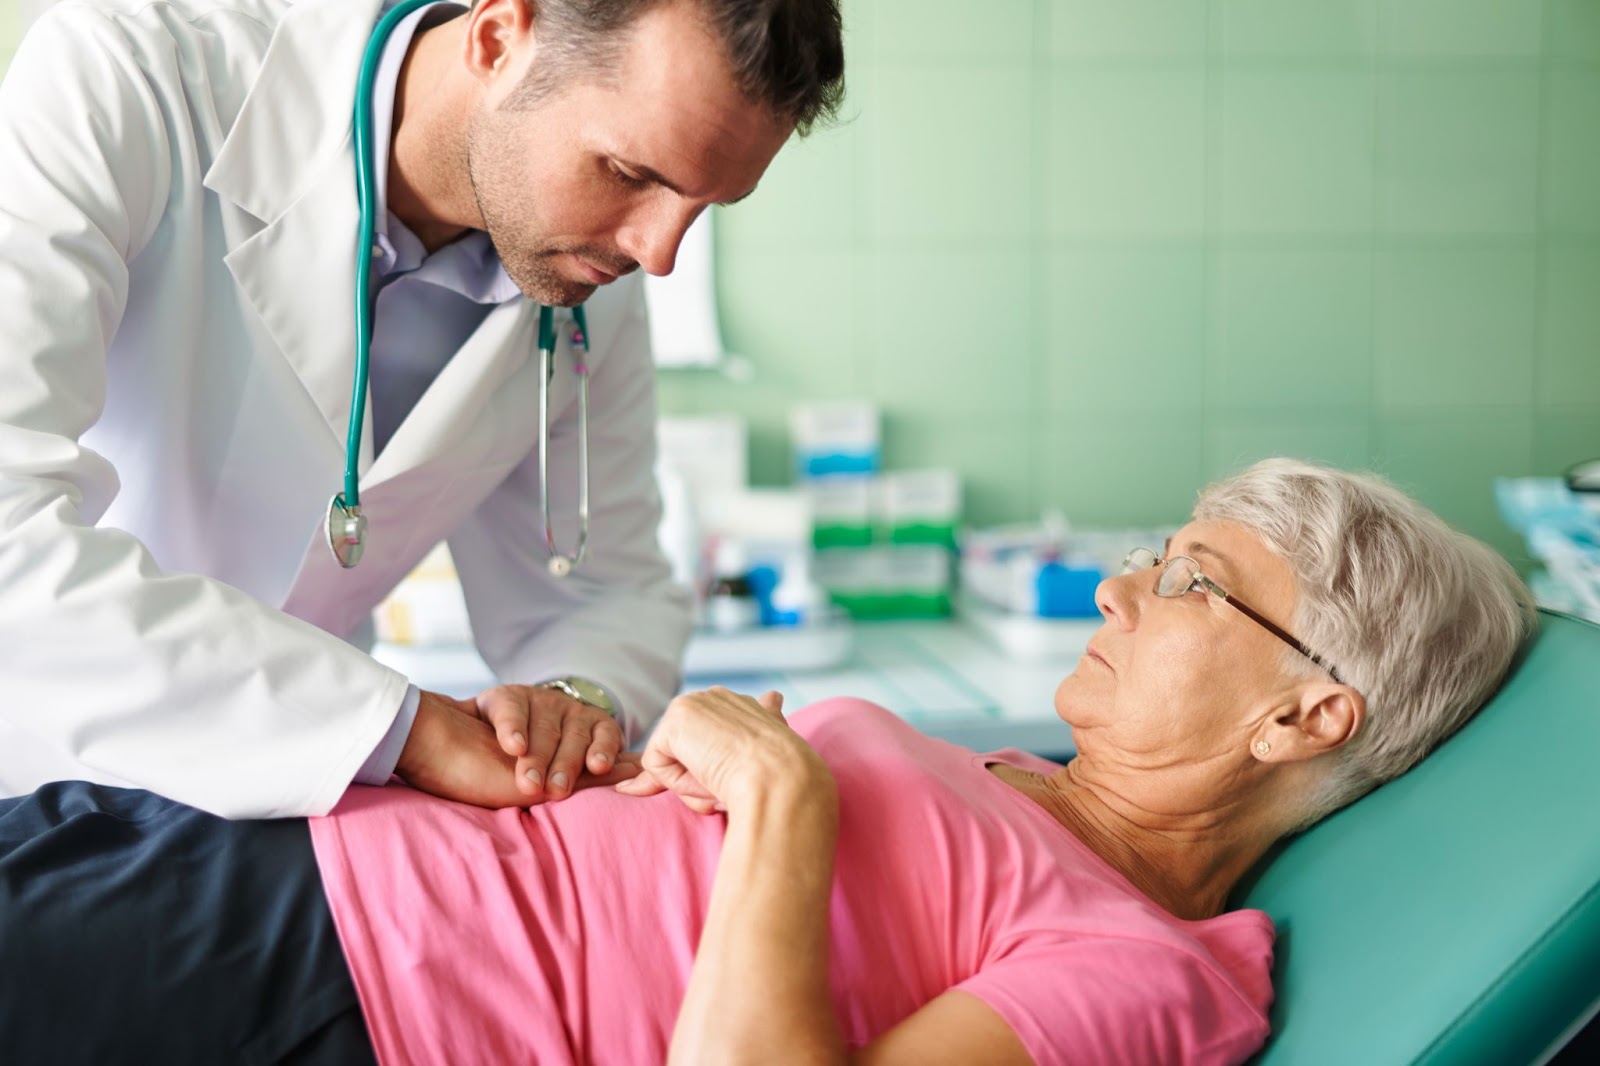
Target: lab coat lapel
299	274
288	162
481	413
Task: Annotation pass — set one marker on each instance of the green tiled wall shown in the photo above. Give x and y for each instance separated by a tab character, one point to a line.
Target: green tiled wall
10	30
1093	253
1096	252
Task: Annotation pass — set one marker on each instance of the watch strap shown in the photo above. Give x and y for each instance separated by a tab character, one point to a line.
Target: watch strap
584	691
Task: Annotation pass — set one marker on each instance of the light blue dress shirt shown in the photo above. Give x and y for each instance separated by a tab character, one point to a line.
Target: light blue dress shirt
426	307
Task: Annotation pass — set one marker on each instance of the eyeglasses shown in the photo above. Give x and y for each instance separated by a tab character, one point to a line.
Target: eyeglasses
1181	575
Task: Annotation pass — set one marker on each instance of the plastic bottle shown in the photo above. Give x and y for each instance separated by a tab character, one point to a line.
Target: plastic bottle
796	599
731	604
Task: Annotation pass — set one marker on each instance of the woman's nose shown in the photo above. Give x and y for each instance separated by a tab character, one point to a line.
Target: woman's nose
1118	599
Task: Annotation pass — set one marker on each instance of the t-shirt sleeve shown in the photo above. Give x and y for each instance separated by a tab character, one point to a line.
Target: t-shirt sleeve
1123	1001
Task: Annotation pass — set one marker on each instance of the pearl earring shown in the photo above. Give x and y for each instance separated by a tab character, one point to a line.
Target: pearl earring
1262	747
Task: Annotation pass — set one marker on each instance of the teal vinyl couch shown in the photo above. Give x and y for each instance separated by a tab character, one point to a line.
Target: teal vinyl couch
1452	917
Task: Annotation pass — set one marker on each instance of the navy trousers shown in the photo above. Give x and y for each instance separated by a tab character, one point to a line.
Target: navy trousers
137	930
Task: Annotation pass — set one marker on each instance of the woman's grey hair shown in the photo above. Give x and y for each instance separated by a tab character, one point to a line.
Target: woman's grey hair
1422	620
785	54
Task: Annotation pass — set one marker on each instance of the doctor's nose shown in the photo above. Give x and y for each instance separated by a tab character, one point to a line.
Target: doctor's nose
651	239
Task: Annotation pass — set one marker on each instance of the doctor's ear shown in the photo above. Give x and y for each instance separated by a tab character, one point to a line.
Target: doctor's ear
498	33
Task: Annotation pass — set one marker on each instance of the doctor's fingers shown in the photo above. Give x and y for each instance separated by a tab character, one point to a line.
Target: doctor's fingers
452	753
509	710
606	741
589	739
627	769
559	732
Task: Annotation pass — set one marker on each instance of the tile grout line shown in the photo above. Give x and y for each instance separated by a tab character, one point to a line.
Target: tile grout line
1211	193
1376	456
863	253
1541	266
1041	67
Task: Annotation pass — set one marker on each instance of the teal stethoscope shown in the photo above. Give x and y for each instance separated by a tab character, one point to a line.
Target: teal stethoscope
347	526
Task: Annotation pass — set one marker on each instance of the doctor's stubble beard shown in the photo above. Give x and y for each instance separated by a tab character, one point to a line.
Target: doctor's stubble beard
527	258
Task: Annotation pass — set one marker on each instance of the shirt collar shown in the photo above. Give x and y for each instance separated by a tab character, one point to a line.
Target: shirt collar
470	265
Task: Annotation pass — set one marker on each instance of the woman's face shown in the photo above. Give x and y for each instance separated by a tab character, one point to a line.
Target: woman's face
1184	680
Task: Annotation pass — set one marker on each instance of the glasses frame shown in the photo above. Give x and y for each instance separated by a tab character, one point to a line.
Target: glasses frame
1202	582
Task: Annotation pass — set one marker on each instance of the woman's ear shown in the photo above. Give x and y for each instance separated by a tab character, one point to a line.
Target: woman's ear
1326	717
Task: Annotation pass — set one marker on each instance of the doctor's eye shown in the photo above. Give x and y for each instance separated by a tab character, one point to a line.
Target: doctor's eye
623	178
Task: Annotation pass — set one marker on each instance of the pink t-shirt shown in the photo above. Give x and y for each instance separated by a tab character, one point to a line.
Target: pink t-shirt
566	933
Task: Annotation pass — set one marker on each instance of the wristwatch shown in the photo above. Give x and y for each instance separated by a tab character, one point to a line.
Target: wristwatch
584	691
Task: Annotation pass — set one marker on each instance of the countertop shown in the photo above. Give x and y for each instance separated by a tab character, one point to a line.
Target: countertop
946	677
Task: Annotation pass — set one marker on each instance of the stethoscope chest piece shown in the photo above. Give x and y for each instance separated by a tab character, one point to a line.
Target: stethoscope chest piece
347	532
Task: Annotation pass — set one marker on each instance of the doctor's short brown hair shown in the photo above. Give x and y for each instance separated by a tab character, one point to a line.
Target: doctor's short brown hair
786	54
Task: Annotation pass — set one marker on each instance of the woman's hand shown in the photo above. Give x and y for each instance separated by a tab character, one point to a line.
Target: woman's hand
717	750
760	978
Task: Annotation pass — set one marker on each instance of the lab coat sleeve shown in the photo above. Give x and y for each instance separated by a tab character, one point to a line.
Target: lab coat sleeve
170	681
618	619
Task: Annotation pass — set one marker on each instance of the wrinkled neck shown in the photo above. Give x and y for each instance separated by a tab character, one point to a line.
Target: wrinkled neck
1187	863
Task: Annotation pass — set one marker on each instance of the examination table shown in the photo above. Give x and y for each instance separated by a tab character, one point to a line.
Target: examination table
1453	916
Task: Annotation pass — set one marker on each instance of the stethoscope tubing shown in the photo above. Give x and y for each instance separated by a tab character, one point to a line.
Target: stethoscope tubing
367	197
346	525
561	563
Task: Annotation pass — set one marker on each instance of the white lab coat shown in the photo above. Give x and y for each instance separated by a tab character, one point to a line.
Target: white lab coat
177	237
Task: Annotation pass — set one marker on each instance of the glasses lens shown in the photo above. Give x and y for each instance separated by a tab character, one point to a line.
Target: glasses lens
1139	559
1177	577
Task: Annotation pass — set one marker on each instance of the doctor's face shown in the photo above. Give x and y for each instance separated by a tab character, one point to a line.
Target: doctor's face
605	173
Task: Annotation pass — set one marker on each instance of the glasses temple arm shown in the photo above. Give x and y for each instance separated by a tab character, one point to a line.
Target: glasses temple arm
1284	636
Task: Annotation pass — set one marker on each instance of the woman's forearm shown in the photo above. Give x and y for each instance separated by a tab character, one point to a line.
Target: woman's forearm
758	992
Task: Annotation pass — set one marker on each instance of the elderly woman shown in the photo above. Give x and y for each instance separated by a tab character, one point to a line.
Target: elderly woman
834	888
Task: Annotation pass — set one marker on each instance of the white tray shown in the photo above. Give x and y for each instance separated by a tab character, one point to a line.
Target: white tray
761	649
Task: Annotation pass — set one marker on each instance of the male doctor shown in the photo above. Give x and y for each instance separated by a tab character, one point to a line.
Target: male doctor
178	220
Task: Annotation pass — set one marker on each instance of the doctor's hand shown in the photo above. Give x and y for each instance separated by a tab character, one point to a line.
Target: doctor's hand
453	752
560	744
